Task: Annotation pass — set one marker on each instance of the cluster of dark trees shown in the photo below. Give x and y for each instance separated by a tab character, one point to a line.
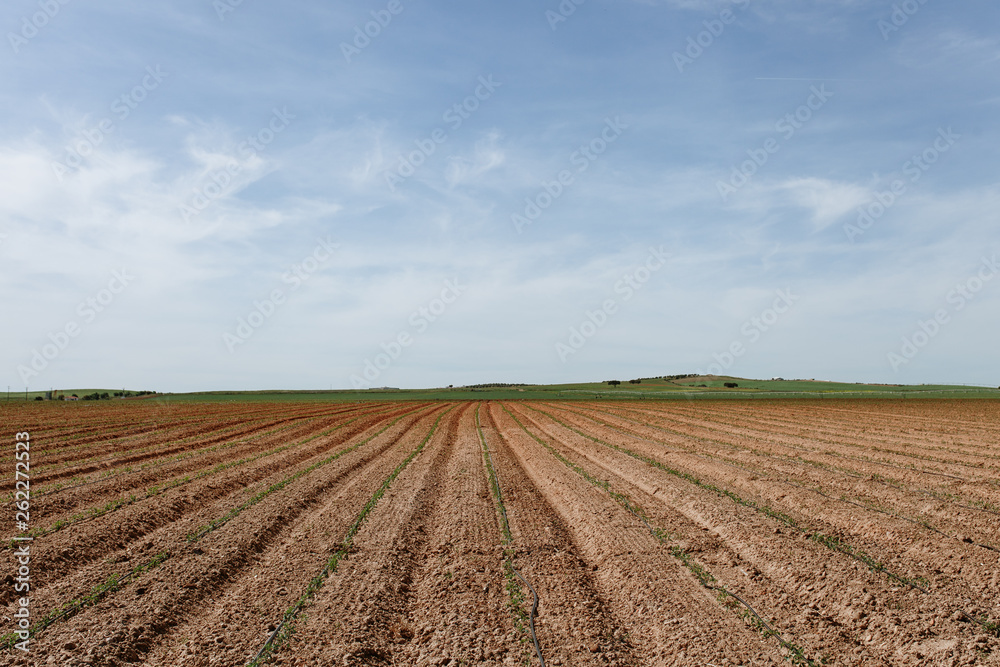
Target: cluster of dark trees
615	383
105	396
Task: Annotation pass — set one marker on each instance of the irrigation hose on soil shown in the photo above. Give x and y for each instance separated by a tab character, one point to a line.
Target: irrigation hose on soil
267	643
503	511
531	618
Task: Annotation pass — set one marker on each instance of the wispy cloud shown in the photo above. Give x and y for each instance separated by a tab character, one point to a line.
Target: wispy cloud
210	223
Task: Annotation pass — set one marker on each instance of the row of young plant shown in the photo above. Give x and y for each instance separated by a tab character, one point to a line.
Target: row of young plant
286	627
117	581
860	502
128	468
836	428
103	457
761	472
104	443
67	424
515	593
131	468
886	510
77	427
96	594
796	654
949	497
114	431
831	542
853	446
158	489
215	524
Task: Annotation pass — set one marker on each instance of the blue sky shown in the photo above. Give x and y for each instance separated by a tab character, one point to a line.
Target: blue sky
208	195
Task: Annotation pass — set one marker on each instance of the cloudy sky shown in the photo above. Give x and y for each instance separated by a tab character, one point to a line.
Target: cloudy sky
242	194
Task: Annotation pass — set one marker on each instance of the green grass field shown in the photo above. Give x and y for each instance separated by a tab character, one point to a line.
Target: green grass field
686	389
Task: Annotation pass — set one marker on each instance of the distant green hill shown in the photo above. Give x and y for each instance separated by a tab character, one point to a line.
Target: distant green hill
667	387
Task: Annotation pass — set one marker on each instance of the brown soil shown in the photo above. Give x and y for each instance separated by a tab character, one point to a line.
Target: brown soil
861	532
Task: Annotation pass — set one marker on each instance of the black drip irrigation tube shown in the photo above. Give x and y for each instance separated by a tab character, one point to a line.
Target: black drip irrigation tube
531	618
503	511
267	644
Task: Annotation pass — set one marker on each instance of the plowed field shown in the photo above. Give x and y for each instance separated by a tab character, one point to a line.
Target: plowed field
507	533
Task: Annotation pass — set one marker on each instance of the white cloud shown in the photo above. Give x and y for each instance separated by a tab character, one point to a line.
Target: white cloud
486	155
827	200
